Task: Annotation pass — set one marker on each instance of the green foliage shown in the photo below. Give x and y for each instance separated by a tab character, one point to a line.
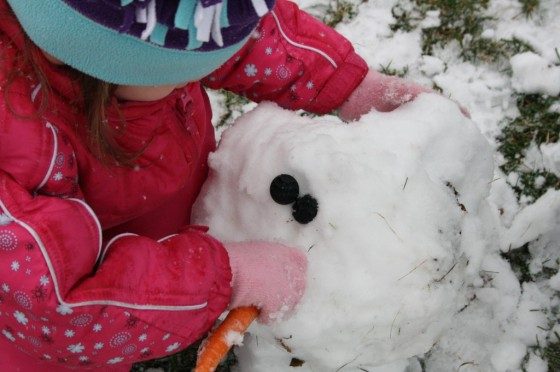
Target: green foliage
388	70
519	261
232	102
529	6
461	21
339	11
535	124
493	51
552	354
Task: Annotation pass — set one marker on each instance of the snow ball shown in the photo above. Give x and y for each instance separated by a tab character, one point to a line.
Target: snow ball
533	74
513	178
508	356
536	364
488	33
535	220
431	66
539	181
554	282
530	322
431	19
401	210
551	157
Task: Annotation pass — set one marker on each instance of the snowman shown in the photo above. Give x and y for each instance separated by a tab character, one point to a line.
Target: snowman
391	212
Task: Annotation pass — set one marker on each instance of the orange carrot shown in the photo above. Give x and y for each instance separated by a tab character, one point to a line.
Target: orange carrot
218	343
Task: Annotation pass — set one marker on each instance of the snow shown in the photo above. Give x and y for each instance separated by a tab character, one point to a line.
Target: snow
536	220
379	186
508	356
554	282
403	222
431	66
234	338
533	74
551	157
536	364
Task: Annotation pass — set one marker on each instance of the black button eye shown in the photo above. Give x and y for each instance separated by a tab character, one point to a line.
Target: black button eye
284	189
305	209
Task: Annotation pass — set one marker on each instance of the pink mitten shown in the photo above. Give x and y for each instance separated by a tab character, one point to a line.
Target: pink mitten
267	275
380	92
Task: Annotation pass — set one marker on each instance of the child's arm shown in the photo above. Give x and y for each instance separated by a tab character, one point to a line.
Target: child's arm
380	92
295	60
146	299
97	303
300	63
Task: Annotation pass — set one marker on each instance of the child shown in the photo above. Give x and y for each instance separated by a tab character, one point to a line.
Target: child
104	136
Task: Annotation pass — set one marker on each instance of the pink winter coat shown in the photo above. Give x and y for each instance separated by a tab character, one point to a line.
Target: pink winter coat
98	265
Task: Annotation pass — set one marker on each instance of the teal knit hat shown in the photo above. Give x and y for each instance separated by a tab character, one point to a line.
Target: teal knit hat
141	42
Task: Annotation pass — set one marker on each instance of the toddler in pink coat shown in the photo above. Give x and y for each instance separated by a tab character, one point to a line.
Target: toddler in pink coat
105	132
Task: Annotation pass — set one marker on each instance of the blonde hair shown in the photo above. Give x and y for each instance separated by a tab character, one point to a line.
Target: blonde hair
97	97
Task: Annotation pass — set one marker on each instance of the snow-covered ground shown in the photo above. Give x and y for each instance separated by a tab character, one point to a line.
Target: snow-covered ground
508	321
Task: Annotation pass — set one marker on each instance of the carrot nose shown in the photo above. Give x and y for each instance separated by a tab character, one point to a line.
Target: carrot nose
220	340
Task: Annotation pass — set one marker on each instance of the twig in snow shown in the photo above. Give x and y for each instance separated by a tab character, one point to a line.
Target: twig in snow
443	277
527	229
393	230
345	364
467	363
414	268
284	346
405	182
393	323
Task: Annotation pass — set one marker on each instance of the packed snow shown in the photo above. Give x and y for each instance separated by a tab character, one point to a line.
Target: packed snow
493	322
402	227
534	74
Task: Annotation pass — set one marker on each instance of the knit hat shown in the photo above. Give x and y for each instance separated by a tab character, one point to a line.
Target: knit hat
141	42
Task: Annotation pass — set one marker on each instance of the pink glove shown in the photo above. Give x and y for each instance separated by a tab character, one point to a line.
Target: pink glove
267	275
382	93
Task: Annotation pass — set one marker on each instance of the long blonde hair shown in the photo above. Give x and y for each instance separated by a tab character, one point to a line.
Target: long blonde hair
97	97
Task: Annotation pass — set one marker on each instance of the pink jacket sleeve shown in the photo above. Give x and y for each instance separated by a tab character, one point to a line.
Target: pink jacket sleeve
66	298
294	60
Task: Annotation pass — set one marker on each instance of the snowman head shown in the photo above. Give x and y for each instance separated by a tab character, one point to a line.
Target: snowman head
379	207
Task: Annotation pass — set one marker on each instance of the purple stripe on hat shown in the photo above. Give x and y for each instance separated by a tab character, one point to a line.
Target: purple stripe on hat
240	11
111	14
207	3
129	17
177	39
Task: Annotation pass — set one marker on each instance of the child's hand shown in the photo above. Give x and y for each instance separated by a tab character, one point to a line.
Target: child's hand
382	93
267	275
